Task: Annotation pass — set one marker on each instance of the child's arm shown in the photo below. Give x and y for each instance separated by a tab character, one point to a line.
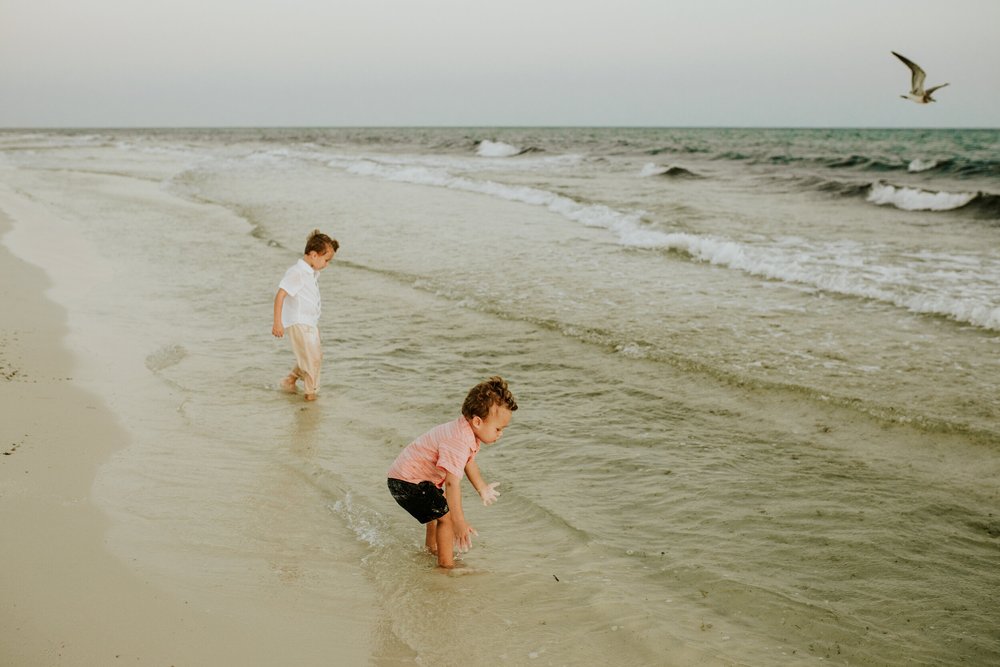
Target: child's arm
486	491
279	299
453	494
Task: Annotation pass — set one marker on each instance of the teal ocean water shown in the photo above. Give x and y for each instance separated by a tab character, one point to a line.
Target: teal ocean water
757	369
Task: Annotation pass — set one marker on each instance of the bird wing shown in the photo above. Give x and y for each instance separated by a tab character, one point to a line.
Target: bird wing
931	90
917	80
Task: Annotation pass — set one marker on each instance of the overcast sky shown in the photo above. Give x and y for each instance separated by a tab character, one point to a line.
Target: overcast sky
118	63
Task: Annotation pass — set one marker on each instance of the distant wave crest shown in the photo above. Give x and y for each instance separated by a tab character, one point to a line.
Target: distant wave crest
913	199
919	165
960	167
653	169
488	148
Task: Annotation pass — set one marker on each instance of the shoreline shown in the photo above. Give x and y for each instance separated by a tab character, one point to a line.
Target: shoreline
66	598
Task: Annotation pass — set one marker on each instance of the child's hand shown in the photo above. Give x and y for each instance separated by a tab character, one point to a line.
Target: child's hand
489	493
463	537
278	331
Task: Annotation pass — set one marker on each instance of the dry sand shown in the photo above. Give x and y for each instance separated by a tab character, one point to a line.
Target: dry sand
64	598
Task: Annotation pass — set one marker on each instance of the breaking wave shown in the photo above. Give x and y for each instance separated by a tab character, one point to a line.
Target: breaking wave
978	204
653	169
914	199
832	269
919	165
488	148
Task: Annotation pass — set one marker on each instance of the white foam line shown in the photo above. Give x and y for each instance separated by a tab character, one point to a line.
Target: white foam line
593	215
780	265
912	199
791	265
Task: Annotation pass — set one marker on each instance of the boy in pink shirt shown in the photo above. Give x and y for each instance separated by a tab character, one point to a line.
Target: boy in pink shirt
425	478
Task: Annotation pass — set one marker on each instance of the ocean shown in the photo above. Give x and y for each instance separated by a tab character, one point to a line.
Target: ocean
757	372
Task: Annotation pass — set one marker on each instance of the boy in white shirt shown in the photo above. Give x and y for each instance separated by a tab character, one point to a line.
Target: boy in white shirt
297	309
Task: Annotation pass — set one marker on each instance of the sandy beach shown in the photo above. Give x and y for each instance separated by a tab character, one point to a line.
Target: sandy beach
757	420
65	598
750	316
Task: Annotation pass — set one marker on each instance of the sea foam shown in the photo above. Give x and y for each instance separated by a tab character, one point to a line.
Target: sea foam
489	148
593	215
831	268
913	199
919	165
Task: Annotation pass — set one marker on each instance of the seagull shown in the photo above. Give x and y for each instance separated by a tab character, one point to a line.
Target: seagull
917	92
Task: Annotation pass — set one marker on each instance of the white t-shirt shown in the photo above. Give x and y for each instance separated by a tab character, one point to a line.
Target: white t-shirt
302	305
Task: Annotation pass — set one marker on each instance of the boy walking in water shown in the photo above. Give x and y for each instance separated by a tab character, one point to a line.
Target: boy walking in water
438	459
297	309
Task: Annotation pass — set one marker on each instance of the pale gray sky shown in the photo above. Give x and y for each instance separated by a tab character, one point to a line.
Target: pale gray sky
112	63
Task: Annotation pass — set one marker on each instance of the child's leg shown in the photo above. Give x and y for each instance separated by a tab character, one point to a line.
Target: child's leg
446	542
430	541
309	355
288	383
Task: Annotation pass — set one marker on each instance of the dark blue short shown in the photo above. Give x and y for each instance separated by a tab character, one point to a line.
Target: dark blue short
424	501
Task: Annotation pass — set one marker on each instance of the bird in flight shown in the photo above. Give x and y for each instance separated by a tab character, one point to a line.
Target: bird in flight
917	92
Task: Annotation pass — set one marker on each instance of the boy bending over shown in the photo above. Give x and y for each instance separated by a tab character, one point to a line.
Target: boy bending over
425	477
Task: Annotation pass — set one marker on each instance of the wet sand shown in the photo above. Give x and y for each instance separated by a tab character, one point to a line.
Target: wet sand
65	598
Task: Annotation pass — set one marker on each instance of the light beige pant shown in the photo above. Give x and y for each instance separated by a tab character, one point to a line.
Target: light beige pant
308	355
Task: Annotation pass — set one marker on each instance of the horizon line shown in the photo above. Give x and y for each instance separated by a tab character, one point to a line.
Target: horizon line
493	127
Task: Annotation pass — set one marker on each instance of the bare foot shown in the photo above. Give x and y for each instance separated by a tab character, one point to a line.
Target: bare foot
288	384
310	397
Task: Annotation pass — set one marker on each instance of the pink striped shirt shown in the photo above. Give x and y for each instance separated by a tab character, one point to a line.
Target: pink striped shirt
445	448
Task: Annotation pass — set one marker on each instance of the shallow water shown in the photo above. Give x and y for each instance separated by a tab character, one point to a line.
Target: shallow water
759	408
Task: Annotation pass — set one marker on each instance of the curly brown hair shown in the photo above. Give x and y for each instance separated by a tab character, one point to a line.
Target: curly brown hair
485	395
318	242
